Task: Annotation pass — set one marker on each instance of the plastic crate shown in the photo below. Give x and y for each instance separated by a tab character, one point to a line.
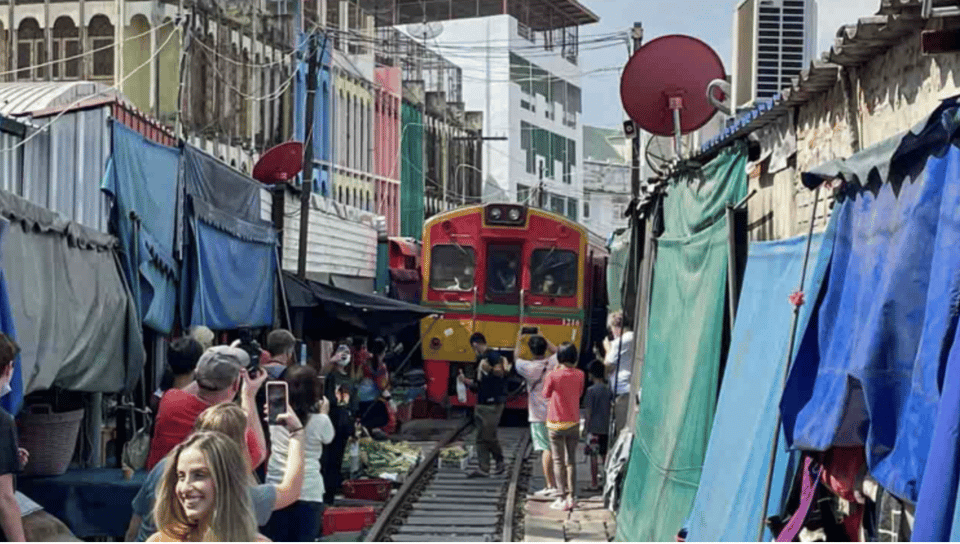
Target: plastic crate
368	490
348	519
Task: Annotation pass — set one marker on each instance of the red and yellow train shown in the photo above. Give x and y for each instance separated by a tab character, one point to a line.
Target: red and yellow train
497	267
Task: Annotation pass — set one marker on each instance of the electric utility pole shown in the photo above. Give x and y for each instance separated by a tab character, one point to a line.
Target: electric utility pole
306	188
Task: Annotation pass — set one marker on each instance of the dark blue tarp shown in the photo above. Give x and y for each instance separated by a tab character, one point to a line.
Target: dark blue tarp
228	190
11	401
868	366
229	264
142	179
729	500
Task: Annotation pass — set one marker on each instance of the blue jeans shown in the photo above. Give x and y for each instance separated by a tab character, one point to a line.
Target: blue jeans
299	522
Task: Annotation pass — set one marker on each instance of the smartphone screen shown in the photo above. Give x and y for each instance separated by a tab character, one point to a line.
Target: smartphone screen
276	401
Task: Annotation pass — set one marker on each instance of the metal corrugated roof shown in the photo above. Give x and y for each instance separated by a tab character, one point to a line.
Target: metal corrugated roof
17	99
854	45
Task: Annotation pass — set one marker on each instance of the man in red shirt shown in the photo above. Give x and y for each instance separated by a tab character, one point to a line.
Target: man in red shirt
220	374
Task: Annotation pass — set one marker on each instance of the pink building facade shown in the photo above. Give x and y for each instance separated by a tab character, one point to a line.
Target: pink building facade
386	150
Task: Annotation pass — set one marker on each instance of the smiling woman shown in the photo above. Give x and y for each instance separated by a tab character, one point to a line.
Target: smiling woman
202	497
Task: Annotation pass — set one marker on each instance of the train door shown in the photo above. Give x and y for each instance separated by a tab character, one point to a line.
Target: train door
503	273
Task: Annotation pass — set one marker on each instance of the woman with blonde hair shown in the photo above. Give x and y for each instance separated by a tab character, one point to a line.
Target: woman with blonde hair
202	495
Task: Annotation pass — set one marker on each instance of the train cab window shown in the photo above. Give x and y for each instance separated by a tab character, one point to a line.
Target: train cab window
452	268
503	273
553	273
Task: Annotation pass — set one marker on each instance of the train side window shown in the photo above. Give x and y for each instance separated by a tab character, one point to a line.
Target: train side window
553	273
452	268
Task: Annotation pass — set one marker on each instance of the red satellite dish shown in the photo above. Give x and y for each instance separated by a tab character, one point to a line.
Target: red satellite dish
279	164
670	72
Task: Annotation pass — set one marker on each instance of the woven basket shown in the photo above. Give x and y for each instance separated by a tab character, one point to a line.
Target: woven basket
50	438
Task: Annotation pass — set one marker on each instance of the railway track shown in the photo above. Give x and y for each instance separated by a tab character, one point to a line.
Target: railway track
440	504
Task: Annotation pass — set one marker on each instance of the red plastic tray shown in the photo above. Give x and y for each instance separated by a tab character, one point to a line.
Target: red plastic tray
347	519
368	490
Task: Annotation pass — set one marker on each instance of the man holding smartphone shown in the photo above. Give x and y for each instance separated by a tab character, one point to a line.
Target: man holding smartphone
534	372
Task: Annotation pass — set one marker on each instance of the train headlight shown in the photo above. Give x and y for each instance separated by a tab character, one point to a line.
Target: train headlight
496	213
435	344
514	214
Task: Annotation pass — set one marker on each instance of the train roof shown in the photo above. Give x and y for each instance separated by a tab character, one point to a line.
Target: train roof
592	237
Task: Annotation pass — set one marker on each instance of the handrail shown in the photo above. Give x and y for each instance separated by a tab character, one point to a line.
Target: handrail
523	308
473	323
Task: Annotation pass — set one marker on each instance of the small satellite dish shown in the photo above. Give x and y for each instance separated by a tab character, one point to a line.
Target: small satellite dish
425	31
279	164
664	85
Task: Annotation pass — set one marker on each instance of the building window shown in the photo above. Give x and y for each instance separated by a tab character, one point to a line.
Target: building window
66	45
573	205
30	50
523	193
586	210
558	204
101	40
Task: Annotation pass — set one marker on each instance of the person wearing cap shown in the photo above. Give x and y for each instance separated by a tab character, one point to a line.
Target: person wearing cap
220	374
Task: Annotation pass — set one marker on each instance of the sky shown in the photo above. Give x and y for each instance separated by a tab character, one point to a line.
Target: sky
709	20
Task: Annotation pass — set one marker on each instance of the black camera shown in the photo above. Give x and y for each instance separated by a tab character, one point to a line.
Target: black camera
250	345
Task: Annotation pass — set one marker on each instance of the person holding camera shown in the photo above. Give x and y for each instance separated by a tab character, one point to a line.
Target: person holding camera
534	373
341	398
220	374
491	389
619	364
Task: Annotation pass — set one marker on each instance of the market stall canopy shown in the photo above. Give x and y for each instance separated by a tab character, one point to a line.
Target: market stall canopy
228	270
76	323
335	312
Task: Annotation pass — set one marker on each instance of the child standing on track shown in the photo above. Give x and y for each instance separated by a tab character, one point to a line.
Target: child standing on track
596	406
562	389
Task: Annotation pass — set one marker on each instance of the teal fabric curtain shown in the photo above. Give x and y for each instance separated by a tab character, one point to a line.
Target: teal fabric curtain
682	363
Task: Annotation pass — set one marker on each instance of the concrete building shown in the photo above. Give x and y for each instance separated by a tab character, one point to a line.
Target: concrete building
773	40
440	141
526	80
235	93
875	83
606	179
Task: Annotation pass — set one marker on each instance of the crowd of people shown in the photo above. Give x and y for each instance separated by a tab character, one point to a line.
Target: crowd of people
556	391
211	419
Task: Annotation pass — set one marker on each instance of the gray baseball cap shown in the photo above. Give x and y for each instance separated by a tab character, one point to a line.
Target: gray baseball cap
220	366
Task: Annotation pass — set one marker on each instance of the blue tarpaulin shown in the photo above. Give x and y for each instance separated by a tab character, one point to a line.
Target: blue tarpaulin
235	282
938	512
729	503
867	370
229	265
11	401
142	179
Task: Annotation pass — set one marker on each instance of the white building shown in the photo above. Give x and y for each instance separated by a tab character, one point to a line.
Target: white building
524	75
773	40
606	180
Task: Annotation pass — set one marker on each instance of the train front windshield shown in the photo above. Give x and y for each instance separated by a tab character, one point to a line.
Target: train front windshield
452	268
553	272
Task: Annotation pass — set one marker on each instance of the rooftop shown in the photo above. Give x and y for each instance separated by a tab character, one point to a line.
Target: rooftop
597	146
536	14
